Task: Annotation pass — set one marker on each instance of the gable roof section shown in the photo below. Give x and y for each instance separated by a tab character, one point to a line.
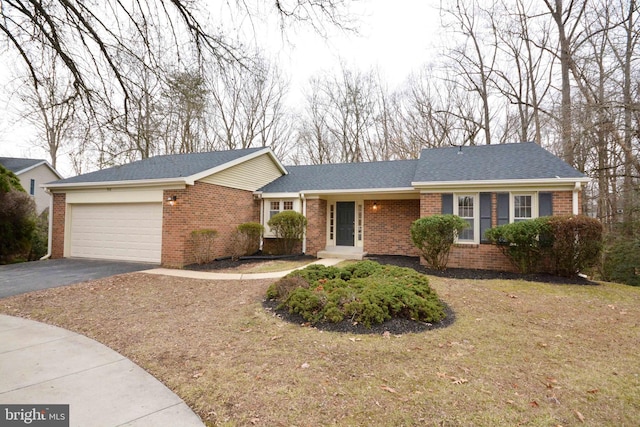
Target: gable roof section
171	168
503	162
387	175
20	165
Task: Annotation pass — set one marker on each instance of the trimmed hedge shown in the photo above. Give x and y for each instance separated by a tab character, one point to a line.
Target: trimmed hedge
434	235
365	292
288	226
568	244
245	240
521	243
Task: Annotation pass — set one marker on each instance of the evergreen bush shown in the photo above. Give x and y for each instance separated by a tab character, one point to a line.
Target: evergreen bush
434	235
288	226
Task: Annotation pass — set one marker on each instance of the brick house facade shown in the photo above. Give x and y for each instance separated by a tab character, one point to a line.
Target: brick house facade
147	210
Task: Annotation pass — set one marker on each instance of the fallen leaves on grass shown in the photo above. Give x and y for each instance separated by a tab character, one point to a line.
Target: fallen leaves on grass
389	389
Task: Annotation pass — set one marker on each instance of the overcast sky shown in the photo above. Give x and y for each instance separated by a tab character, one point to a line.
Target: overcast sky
397	37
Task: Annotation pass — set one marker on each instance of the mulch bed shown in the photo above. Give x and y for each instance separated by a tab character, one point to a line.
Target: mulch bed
393	326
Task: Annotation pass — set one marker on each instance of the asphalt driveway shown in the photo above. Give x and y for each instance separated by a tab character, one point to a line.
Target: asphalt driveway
32	276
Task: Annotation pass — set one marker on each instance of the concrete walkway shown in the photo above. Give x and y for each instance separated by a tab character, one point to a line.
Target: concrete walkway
44	364
235	276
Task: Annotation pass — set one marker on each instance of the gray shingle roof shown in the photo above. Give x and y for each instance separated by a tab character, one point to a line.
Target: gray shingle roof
345	176
162	167
484	162
15	164
525	160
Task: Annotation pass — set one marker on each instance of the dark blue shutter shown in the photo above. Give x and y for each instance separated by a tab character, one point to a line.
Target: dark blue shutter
485	215
503	208
545	204
447	203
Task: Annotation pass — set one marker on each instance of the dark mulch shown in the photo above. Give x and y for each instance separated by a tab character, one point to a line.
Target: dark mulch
395	326
464	273
228	263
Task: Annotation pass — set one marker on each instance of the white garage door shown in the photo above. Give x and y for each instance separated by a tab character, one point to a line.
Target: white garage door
127	231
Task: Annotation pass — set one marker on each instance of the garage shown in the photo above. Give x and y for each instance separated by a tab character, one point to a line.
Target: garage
125	231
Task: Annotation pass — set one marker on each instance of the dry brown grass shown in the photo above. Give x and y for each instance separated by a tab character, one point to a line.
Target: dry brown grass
519	353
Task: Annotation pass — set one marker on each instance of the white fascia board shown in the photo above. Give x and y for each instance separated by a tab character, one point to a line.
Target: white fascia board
267	150
363	191
169	183
562	183
280	195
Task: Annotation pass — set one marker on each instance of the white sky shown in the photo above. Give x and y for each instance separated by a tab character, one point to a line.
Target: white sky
396	37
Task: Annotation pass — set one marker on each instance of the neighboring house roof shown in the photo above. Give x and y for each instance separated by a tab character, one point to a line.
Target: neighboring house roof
19	165
522	161
172	167
394	174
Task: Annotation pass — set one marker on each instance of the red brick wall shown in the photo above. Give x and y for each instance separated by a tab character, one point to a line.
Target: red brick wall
430	204
316	226
386	229
563	203
58	220
201	206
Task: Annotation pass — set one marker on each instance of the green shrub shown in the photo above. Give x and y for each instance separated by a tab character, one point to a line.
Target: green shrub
288	226
40	237
434	235
17	225
521	242
622	261
203	244
365	292
577	243
245	240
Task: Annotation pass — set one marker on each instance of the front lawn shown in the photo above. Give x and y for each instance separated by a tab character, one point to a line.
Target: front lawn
519	353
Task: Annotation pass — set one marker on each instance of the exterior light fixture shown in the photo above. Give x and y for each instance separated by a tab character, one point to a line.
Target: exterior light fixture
172	200
375	206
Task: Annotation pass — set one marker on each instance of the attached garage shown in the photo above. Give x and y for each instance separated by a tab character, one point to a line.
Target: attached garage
124	231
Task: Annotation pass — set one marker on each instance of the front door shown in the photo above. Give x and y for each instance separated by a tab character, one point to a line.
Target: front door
345	224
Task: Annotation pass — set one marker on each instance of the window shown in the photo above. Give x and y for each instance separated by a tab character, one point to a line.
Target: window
331	221
32	187
279	206
274	209
466	210
522	207
360	215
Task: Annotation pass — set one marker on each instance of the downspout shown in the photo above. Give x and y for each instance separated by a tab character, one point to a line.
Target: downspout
304	213
576	191
50	230
261	221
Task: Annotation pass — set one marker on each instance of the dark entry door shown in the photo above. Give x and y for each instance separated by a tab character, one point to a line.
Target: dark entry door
345	224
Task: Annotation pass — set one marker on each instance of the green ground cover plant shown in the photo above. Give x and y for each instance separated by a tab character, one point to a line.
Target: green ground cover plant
365	292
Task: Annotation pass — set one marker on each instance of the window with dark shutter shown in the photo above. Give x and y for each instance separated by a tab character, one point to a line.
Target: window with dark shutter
485	215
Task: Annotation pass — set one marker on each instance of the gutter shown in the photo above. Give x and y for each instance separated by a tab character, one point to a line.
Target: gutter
50	230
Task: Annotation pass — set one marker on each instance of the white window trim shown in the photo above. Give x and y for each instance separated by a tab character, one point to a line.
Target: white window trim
512	204
267	211
476	217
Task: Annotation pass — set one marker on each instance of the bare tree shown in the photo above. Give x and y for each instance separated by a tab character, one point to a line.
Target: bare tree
473	60
87	36
51	108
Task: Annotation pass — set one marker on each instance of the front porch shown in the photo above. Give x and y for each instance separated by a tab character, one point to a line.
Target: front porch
342	252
